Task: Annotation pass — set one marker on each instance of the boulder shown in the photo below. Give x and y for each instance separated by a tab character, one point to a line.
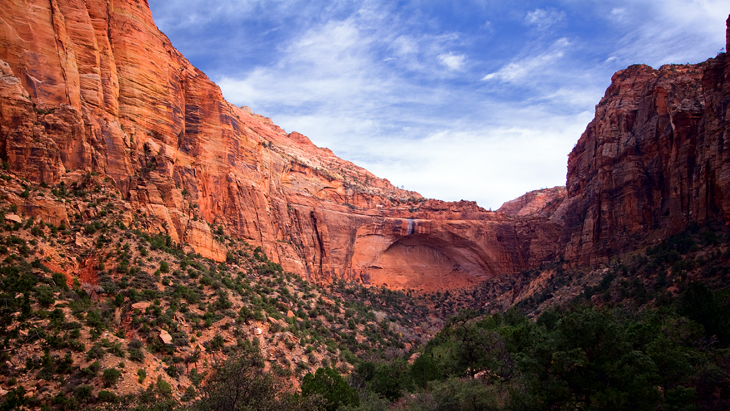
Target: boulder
165	337
13	218
141	305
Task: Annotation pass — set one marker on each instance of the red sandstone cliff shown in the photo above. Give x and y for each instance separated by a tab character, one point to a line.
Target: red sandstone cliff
655	158
541	203
94	86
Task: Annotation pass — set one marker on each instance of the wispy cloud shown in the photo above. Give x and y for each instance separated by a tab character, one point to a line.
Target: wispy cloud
452	61
326	67
543	19
669	31
483	164
618	14
530	66
345	67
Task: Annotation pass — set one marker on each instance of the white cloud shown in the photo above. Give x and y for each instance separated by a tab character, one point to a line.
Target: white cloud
337	67
618	13
187	14
671	31
544	18
487	165
530	66
453	62
404	45
327	65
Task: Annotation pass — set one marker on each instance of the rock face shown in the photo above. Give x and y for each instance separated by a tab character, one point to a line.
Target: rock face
432	250
93	87
165	337
655	158
540	203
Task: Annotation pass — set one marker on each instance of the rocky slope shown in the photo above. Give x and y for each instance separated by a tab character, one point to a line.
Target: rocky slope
98	308
94	86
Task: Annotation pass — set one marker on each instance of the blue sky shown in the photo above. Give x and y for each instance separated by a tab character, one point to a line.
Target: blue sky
476	99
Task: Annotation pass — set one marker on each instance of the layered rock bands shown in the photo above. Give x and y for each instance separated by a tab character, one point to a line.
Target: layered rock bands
655	158
92	86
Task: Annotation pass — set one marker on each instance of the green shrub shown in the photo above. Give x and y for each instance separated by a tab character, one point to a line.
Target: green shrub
141	375
111	376
241	383
136	354
96	351
117	350
164	387
216	343
90	229
329	384
60	280
172	371
65	403
195	377
45	296
106	396
83	392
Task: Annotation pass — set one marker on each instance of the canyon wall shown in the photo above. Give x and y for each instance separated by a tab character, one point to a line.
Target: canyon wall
93	87
654	159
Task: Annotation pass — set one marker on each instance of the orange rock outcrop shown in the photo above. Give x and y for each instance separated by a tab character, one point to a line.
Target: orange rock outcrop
541	203
94	87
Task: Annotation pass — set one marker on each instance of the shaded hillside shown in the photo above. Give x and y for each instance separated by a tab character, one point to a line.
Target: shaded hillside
668	356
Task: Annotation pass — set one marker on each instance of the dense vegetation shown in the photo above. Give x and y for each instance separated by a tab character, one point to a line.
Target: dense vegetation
579	357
